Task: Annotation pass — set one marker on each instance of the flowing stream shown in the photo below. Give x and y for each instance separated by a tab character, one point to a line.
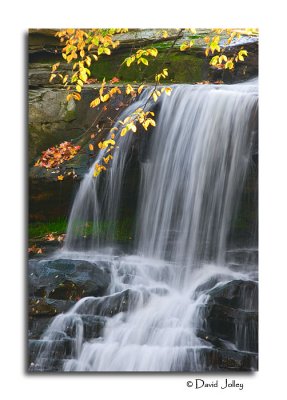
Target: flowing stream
191	181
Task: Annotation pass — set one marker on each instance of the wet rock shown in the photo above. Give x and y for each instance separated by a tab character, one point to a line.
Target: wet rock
214	340
39	307
45	364
113	304
56	349
48	307
36	326
242	256
231	316
236	326
229	360
66	290
237	294
93	326
68	279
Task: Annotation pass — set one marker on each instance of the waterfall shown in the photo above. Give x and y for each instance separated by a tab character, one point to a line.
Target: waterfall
190	185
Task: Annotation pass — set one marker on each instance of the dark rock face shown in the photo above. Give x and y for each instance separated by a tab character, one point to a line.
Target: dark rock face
236	295
93	326
230	324
220	360
43	307
114	304
55	286
67	279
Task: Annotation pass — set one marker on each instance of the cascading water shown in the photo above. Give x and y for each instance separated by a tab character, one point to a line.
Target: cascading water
191	182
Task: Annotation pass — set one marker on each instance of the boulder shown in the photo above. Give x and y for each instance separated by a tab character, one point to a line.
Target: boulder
113	304
230	317
43	307
65	279
207	359
237	294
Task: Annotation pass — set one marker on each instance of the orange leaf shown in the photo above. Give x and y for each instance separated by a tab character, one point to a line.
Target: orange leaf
114	80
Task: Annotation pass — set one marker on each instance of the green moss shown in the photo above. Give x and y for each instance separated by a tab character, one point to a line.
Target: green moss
184	67
70	115
121	229
40	229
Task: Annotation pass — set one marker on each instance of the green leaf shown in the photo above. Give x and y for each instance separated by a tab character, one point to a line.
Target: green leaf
144	61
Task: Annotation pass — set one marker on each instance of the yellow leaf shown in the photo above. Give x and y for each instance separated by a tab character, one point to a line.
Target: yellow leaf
55	66
145	125
52	77
183	46
140	89
124	131
95	102
168	91
229	65
154	96
105	97
69	58
60	177
222	58
164	34
76	96
107	51
82	53
98	169
130	60
153	52
83	76
69	97
88	61
129	89
78	88
214	60
143	60
107	142
107	159
91	147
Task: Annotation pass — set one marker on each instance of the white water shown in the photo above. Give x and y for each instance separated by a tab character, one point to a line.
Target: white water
190	189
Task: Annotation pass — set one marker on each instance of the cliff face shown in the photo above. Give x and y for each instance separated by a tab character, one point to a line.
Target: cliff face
52	120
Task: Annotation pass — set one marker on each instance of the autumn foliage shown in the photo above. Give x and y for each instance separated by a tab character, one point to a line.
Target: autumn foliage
82	47
56	155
